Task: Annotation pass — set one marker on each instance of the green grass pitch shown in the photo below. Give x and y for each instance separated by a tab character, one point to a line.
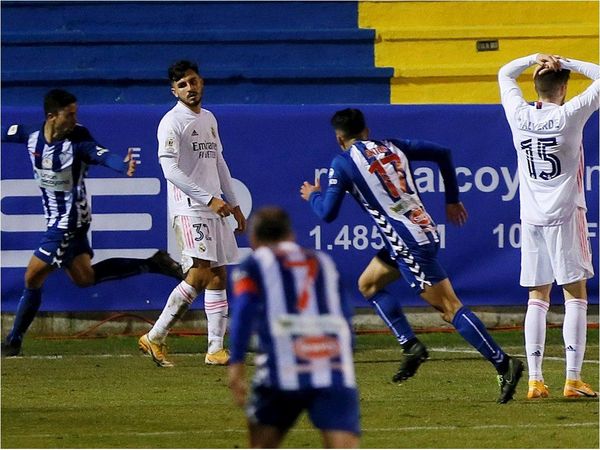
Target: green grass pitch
102	393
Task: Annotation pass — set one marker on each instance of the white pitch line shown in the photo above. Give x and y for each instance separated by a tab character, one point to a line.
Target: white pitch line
364	430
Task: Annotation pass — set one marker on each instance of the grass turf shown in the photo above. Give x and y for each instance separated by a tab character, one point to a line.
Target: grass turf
101	393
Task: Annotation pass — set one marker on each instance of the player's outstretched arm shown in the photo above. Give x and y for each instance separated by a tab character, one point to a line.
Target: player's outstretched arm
327	205
95	154
418	150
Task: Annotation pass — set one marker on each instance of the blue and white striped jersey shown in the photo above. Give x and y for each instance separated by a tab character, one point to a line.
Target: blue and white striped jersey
60	167
378	175
291	297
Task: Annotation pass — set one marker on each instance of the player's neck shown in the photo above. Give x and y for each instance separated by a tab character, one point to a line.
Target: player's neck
556	100
49	133
195	109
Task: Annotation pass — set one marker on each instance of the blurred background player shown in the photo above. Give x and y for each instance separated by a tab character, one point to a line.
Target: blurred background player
291	297
60	151
377	174
191	157
554	234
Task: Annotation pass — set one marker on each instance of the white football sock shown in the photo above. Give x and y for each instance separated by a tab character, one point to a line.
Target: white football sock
216	309
178	303
574	335
535	336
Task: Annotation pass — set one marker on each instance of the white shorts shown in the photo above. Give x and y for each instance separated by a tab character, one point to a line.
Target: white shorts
560	252
208	239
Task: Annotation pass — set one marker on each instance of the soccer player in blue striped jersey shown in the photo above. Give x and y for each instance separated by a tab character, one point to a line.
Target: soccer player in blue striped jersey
291	298
61	151
377	174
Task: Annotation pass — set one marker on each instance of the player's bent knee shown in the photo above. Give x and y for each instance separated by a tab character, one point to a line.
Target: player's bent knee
367	287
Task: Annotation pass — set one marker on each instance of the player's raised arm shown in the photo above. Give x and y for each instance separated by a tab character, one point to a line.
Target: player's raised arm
584	104
510	92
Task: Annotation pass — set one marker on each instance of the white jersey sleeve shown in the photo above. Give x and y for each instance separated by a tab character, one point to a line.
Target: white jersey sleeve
582	106
510	92
223	170
169	141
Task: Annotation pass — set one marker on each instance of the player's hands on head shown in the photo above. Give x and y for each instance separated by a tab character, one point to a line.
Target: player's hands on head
307	189
238	215
219	207
547	63
456	214
131	163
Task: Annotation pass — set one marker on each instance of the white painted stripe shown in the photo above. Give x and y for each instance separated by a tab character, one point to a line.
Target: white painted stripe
221	431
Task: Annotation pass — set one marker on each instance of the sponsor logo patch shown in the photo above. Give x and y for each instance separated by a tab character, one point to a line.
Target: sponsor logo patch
316	347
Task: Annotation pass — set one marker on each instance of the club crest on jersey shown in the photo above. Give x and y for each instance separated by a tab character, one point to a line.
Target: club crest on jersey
47	163
170	144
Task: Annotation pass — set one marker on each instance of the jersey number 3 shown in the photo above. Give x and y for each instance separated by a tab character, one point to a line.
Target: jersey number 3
542	146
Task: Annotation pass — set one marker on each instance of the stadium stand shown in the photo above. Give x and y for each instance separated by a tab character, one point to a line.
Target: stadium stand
432	45
253	52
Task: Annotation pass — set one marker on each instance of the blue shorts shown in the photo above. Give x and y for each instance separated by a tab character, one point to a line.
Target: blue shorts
424	266
329	409
59	246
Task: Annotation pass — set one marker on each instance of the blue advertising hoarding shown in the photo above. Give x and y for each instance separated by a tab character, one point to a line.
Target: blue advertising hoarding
271	150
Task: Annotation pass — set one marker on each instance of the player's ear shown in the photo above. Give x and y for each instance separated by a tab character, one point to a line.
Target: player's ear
173	92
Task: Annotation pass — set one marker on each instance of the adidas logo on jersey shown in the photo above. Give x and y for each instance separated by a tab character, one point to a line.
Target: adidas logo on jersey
194	133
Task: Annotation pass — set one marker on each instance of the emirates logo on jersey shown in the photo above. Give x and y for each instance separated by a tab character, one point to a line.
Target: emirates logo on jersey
316	347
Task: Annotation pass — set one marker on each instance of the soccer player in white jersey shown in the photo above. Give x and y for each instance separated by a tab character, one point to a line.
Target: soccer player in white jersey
191	156
555	242
291	298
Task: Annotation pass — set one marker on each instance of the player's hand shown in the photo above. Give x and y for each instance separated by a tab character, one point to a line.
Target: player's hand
238	215
131	163
237	383
219	207
307	189
456	213
546	63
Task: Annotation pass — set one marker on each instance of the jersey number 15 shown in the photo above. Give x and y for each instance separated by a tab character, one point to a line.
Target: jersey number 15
541	145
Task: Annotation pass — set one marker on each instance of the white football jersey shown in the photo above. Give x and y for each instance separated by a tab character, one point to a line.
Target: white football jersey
191	155
548	141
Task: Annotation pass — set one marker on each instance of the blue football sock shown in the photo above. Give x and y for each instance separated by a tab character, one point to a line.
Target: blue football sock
474	332
26	310
390	311
118	268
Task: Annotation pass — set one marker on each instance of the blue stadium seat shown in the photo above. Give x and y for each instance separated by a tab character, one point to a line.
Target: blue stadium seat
249	52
